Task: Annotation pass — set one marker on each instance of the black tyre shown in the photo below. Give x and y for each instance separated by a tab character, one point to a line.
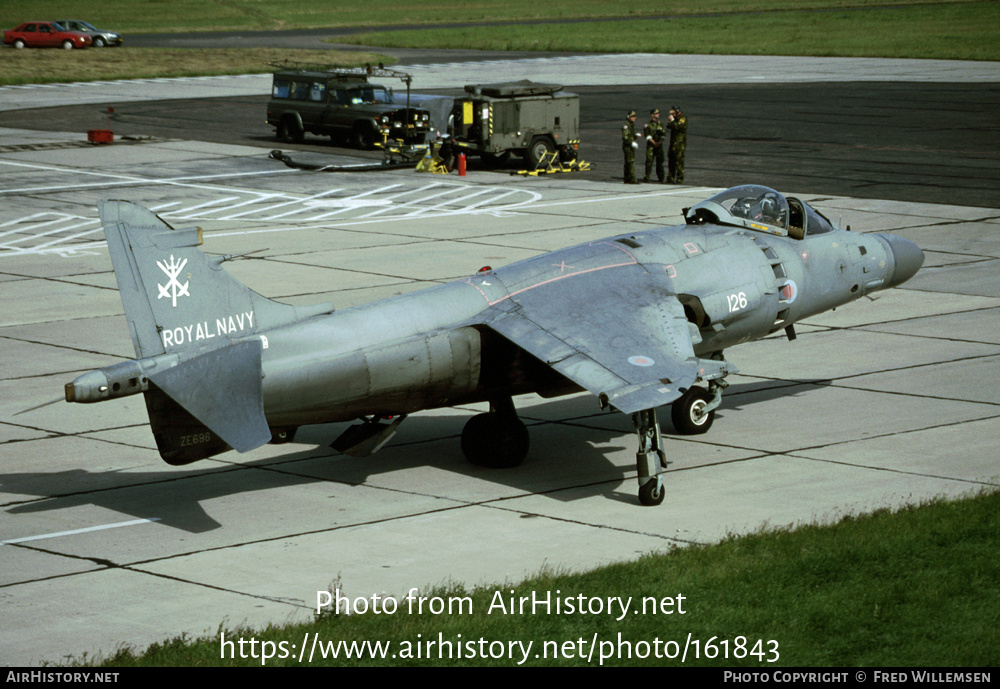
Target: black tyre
540	146
652	493
280	436
99	42
687	412
363	137
289	130
495	441
493	160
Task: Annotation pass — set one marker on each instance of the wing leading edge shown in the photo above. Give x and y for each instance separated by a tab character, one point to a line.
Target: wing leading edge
620	334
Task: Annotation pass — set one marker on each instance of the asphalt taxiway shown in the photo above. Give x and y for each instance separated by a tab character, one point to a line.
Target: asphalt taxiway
881	403
913	130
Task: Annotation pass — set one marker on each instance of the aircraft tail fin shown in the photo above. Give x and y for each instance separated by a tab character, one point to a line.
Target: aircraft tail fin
198	337
175	296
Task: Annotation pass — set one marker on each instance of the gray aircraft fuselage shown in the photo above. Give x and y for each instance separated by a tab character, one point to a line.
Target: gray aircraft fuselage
635	319
418	351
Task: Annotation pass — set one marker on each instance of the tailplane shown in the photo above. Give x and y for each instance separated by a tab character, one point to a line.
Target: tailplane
201	406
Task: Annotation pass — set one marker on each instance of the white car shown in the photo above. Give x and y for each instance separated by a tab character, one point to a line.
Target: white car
100	38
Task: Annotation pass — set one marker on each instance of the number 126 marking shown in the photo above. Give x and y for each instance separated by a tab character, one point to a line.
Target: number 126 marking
737	302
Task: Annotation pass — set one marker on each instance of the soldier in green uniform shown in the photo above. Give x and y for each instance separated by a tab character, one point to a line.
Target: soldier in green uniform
629	147
677	123
654	133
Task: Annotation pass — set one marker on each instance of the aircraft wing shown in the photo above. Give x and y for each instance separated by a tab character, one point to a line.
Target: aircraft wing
621	334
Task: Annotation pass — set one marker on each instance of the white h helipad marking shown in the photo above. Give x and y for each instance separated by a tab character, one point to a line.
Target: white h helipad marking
63	232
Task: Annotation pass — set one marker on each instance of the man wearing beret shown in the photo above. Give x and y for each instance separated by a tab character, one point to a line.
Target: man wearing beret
629	147
654	133
677	123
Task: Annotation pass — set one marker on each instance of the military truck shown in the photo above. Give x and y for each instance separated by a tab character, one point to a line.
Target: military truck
522	118
343	104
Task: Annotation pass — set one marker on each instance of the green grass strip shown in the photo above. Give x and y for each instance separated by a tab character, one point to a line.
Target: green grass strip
967	31
915	587
174	16
61	66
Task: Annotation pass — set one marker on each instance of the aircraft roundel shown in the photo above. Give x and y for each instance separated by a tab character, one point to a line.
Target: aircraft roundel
640	360
787	292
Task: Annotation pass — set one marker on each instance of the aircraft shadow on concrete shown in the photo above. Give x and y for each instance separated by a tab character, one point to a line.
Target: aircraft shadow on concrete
562	470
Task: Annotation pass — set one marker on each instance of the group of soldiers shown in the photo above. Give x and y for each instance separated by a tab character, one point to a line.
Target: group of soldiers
655	132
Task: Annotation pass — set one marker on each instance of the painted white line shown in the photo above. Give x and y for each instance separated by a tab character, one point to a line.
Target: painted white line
257	198
29	217
61	228
160	207
448	189
387	209
453	202
200	206
351	202
630	197
302	203
65	240
79	531
118	179
495	199
23	222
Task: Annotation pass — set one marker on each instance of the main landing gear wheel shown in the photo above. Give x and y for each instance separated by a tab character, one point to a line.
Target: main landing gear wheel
688	412
495	441
280	436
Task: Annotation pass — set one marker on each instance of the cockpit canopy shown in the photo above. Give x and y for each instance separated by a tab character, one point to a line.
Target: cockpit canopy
762	209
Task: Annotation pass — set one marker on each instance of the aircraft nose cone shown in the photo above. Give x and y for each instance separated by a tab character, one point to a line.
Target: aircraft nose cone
907	259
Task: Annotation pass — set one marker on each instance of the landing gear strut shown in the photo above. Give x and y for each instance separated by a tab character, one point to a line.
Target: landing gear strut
692	413
497	439
650	460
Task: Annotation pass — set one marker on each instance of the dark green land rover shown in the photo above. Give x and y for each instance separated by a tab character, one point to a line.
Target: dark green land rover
343	104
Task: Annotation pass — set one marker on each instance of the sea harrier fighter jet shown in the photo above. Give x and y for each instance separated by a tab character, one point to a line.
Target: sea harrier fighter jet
639	320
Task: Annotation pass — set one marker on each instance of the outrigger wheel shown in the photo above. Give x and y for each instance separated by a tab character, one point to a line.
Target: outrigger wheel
497	439
650	460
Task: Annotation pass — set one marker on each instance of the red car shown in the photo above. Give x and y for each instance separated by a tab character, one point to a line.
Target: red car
45	35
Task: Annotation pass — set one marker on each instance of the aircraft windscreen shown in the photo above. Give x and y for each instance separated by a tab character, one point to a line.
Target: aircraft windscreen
750	206
817	222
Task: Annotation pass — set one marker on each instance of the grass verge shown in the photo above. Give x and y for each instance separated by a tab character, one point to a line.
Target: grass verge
60	66
916	587
967	31
963	29
177	16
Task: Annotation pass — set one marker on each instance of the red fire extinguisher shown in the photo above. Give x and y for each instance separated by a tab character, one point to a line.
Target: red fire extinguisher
461	165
